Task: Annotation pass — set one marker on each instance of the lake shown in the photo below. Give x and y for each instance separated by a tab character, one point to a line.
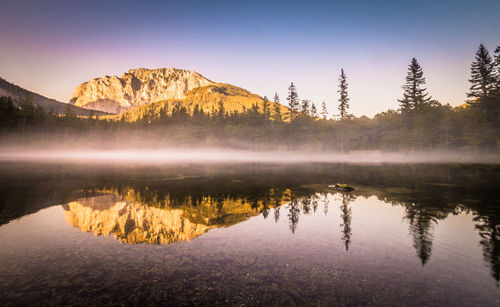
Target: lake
249	234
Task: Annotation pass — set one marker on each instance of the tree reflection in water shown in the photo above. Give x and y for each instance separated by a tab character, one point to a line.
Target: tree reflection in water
346	216
190	205
276	214
293	213
489	231
326	202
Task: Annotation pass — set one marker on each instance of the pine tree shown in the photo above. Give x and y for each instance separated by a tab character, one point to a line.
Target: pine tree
266	108
343	107
293	101
277	113
324	110
212	113
481	79
197	113
496	71
276	98
344	99
277	109
314	110
221	111
414	95
304	107
255	109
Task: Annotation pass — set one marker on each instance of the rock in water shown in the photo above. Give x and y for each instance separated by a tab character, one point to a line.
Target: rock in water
342	187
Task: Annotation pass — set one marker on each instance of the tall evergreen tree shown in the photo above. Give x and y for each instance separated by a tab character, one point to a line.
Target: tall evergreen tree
197	113
324	110
277	117
221	112
343	107
304	107
276	98
496	71
277	113
414	95
255	109
344	98
482	79
266	108
293	101
314	110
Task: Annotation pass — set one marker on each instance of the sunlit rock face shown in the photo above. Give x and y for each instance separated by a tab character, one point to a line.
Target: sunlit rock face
131	222
136	87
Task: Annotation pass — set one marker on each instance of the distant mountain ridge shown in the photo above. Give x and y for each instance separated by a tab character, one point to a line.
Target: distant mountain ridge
135	88
19	95
141	93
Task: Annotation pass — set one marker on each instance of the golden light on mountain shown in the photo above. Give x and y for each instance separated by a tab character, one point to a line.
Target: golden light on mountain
132	221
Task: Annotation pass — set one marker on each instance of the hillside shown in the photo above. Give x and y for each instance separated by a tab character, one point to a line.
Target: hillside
19	94
208	98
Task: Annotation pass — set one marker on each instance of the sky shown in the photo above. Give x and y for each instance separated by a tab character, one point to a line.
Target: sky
50	47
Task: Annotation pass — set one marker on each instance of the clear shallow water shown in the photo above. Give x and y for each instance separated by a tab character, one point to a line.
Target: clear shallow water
250	234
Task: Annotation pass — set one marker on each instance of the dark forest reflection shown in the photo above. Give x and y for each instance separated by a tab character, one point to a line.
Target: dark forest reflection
148	206
489	230
422	221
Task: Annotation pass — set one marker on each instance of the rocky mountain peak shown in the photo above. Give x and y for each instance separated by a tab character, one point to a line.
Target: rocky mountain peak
136	87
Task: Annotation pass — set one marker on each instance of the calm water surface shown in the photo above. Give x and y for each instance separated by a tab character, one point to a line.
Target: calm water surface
249	234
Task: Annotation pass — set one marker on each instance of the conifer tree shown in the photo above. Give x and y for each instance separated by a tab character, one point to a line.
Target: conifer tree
293	101
255	108
343	107
344	98
496	72
266	108
276	98
304	107
277	109
221	112
197	113
277	113
212	113
324	110
481	77
314	110
414	95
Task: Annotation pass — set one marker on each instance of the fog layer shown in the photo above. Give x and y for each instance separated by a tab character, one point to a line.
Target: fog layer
218	155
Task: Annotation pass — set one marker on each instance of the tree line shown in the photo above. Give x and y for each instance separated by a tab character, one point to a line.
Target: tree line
420	123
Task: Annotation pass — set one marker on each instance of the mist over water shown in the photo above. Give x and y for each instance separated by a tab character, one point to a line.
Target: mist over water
221	155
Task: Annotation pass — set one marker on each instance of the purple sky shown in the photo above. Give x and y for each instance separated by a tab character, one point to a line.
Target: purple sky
52	46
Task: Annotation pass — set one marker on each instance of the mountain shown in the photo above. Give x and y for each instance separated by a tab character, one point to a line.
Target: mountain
151	91
136	87
19	95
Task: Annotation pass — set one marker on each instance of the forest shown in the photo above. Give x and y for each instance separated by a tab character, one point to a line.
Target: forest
421	123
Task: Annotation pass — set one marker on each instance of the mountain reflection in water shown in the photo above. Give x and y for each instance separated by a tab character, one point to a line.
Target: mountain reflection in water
131	221
164	206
